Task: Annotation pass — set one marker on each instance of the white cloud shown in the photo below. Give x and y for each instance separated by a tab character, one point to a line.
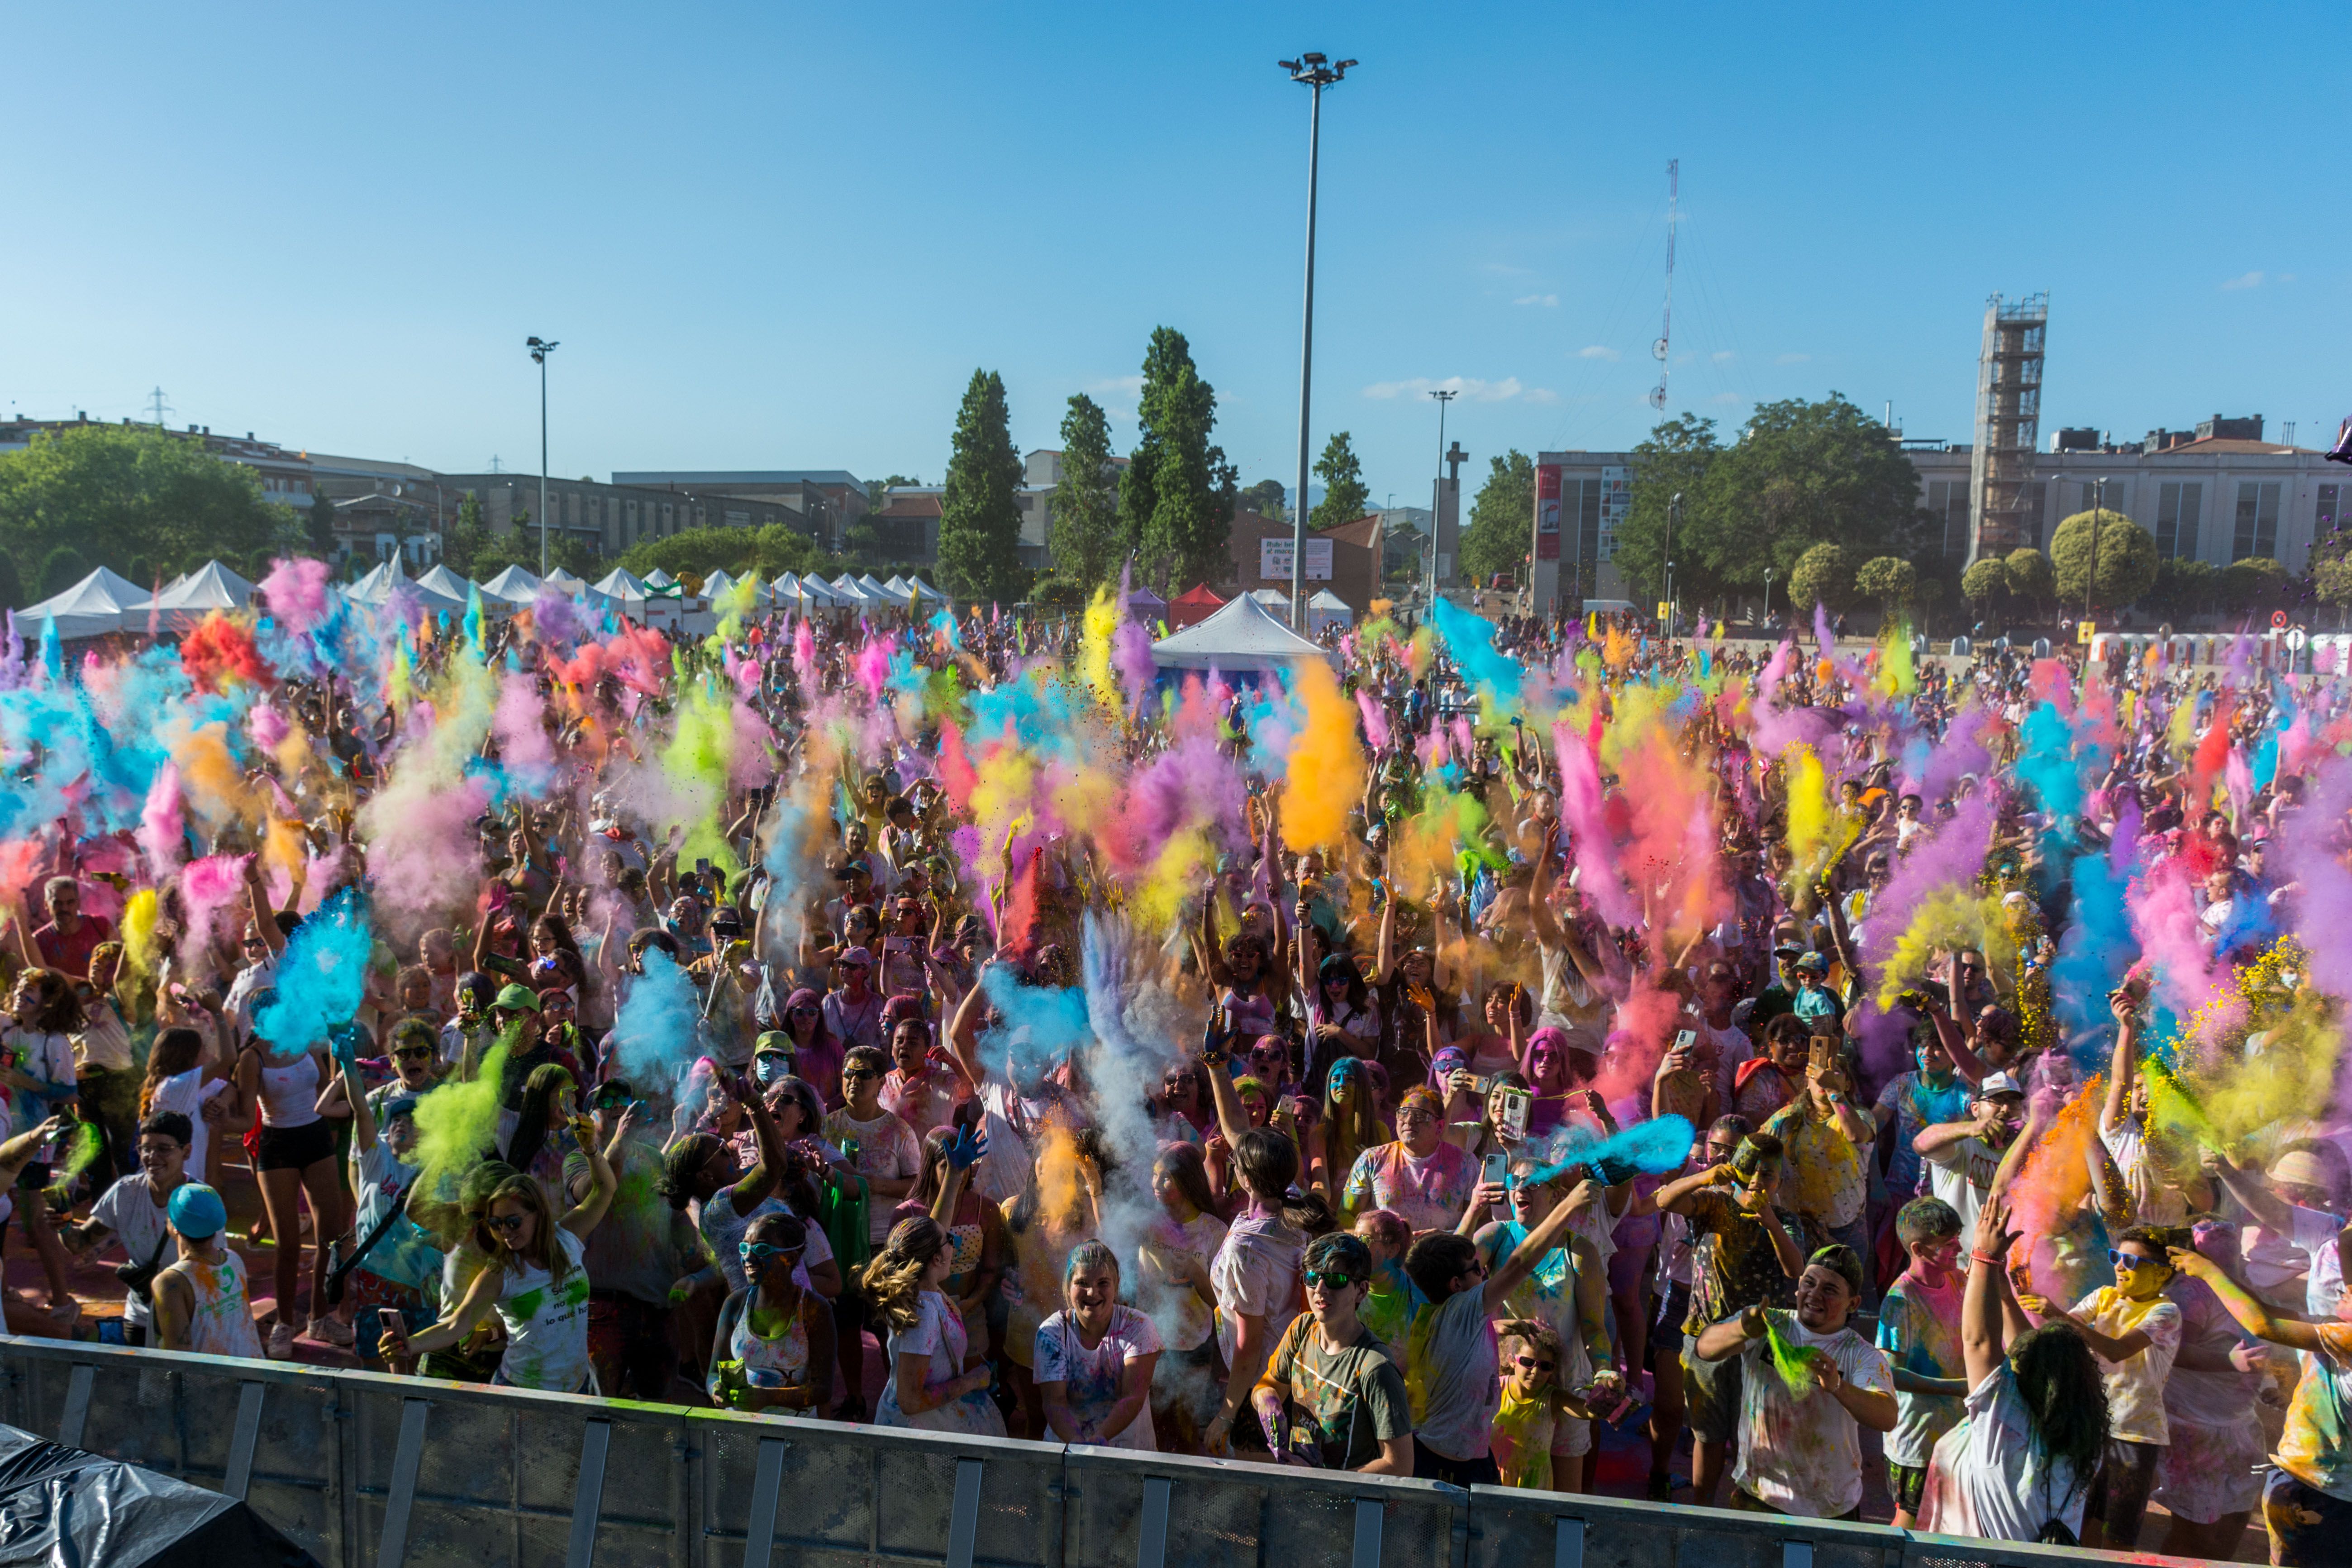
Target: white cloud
1548	301
2243	280
1724	356
1597	351
1792	359
1539	395
1470	387
1129	385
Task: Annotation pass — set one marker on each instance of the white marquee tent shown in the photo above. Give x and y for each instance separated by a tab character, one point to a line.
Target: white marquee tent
1242	637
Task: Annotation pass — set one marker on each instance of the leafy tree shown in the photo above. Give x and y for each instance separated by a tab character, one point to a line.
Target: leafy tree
2030	577
132	493
1822	576
1084	544
1345	494
1264	498
519	547
1674	460
1801	474
980	514
2125	554
62	568
1502	518
2185	589
1176	499
767	553
1985	584
2251	587
12	585
1889	580
468	539
1061	594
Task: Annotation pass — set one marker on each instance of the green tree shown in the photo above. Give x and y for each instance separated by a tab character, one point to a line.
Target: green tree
980	514
1891	581
1502	518
126	494
2185	589
1345	494
60	569
1985	584
2125	554
1801	473
1264	498
2030	577
12	584
519	547
1084	545
1822	576
1176	499
468	539
2253	587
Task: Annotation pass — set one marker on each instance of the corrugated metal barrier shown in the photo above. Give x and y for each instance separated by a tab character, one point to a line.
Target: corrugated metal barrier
365	1469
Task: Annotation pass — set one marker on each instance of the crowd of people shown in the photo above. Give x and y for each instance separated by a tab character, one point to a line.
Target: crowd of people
1426	1061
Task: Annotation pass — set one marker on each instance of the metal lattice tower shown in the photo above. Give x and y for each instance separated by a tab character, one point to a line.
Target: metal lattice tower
2008	419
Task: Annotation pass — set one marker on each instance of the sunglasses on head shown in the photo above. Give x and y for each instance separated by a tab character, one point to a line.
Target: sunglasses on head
1330	1279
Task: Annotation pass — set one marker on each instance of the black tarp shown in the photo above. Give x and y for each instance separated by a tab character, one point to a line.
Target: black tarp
64	1508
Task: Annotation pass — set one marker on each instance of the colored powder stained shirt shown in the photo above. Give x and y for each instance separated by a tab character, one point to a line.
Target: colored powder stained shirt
1916	1102
546	1323
221	1321
404	1254
1548	1295
1803	1456
1990	1478
887	1147
1920	1330
1343	1404
1739	1267
1824	1168
1389	1306
2316	1446
1529	1435
1091	1374
1185	1321
1430	1192
2135	1384
1454	1374
1256	1274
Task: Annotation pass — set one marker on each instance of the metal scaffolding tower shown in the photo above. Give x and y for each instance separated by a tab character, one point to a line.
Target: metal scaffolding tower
2008	418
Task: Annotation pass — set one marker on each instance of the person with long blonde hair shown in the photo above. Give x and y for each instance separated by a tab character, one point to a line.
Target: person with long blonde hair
938	1380
530	1273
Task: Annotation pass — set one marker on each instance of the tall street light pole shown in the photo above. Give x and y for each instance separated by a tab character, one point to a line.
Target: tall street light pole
1674	516
540	349
1437	498
1316	73
2098	505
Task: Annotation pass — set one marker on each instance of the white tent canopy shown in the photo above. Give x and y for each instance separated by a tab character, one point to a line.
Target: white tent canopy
927	590
178	608
441	580
1240	636
657	578
92	608
845	589
563	582
1328	609
618	583
514	585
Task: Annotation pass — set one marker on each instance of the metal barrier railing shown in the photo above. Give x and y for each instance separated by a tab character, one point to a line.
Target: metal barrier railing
367	1470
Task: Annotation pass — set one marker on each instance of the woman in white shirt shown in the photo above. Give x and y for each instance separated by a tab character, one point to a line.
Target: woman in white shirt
2020	1465
1095	1358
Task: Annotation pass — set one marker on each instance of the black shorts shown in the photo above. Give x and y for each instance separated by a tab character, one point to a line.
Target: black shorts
297	1148
1429	1465
1907	1484
851	1313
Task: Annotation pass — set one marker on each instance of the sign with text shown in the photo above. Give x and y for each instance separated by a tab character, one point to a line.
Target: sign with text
1547	511
1273	560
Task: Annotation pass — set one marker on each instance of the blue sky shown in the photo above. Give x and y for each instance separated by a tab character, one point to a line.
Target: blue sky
782	236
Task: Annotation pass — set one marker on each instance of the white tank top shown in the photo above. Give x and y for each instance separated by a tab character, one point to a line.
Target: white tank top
289	1094
222	1321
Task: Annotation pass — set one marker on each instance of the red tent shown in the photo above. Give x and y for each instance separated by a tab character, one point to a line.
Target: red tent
1192	607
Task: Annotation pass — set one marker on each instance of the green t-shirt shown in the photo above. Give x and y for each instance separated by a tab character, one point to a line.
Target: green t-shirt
1345	1403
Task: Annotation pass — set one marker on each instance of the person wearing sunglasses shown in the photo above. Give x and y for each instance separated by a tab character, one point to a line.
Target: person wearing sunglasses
773	1351
1536	1427
2133	1329
535	1279
1330	1396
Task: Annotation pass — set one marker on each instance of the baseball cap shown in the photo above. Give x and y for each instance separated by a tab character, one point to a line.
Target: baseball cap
773	1040
516	999
197	1211
1812	963
1998	1083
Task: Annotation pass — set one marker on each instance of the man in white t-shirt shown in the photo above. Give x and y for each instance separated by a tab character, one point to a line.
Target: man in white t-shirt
1800	1448
1963	1156
134	1213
